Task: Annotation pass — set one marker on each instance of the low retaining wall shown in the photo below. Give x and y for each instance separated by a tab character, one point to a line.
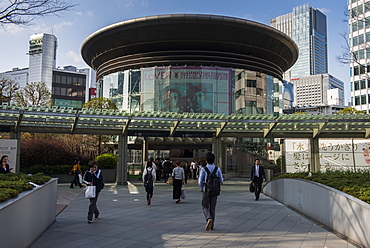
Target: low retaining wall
109	176
25	218
339	211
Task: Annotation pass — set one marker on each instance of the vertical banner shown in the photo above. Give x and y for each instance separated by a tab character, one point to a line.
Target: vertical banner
8	147
335	154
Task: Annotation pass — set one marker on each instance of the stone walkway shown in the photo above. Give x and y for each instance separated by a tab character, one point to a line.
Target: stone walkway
126	220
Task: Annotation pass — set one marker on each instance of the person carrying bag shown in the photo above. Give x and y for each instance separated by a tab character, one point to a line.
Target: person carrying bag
93	178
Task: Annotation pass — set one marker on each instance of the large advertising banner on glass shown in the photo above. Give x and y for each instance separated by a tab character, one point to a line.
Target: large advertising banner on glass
186	89
335	154
8	147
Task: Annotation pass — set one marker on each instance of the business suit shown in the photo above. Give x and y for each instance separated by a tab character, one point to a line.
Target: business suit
257	180
5	170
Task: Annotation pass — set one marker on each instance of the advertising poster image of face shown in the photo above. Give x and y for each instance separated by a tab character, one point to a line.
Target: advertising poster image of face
366	152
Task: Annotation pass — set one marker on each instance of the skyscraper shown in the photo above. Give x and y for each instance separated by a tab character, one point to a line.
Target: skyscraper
42	58
307	27
359	41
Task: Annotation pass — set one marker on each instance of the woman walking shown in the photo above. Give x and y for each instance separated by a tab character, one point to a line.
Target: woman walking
76	171
178	180
149	177
93	177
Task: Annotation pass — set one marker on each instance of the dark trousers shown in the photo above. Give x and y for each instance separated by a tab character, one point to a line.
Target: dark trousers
209	207
177	184
76	180
257	182
166	175
149	193
93	208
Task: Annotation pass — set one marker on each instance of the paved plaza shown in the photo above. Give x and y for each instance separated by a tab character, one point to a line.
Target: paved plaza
126	221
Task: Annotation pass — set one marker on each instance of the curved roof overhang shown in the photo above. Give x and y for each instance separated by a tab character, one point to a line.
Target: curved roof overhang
189	39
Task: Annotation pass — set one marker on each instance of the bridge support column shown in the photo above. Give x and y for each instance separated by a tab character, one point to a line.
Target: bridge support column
315	156
121	177
144	149
218	150
17	136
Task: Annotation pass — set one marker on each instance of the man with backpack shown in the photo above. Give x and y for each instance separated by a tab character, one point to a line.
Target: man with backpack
210	179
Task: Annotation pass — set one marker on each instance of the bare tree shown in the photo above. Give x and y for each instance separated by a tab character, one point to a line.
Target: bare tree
34	93
8	90
23	12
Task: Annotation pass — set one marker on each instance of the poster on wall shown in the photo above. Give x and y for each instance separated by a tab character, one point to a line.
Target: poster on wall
186	89
8	147
335	154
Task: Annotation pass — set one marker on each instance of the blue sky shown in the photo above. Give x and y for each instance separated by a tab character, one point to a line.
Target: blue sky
73	27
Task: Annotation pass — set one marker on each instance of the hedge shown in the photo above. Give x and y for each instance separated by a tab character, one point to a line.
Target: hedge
11	184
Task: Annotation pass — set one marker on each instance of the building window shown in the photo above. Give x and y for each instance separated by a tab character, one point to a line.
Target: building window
363	99
357	85
363	84
357	100
251	83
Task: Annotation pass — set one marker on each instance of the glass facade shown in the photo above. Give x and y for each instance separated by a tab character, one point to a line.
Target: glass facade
68	89
191	89
307	27
359	40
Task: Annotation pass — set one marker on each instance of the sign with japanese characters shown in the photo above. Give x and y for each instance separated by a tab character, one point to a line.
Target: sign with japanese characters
334	154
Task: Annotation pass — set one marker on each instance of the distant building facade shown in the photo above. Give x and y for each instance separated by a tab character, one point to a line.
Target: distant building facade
316	90
70	87
307	27
359	42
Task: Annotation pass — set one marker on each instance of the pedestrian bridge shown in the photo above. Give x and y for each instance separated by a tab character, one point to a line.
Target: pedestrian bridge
185	126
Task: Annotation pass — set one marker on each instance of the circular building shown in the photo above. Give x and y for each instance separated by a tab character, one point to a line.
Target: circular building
191	63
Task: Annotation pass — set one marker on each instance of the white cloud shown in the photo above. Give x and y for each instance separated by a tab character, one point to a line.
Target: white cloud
126	3
87	13
248	16
74	56
324	10
20	30
61	25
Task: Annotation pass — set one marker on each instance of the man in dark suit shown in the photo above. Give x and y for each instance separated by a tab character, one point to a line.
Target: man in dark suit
257	177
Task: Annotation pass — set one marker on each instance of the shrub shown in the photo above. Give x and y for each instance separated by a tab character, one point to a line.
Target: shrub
12	184
107	161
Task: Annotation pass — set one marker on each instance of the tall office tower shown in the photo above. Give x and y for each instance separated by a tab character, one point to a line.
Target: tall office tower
307	27
359	41
42	58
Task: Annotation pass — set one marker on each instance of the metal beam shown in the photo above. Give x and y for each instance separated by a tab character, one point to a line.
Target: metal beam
221	128
173	128
367	133
267	131
317	131
125	126
74	125
19	120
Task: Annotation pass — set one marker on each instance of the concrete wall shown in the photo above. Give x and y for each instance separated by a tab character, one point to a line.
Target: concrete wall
25	218
343	213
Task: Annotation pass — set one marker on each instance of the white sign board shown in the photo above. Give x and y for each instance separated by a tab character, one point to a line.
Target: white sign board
8	147
334	154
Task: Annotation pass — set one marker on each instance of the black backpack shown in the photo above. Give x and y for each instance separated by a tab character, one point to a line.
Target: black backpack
213	185
148	179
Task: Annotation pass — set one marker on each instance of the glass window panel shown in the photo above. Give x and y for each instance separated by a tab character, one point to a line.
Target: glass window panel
63	91
357	100
363	99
